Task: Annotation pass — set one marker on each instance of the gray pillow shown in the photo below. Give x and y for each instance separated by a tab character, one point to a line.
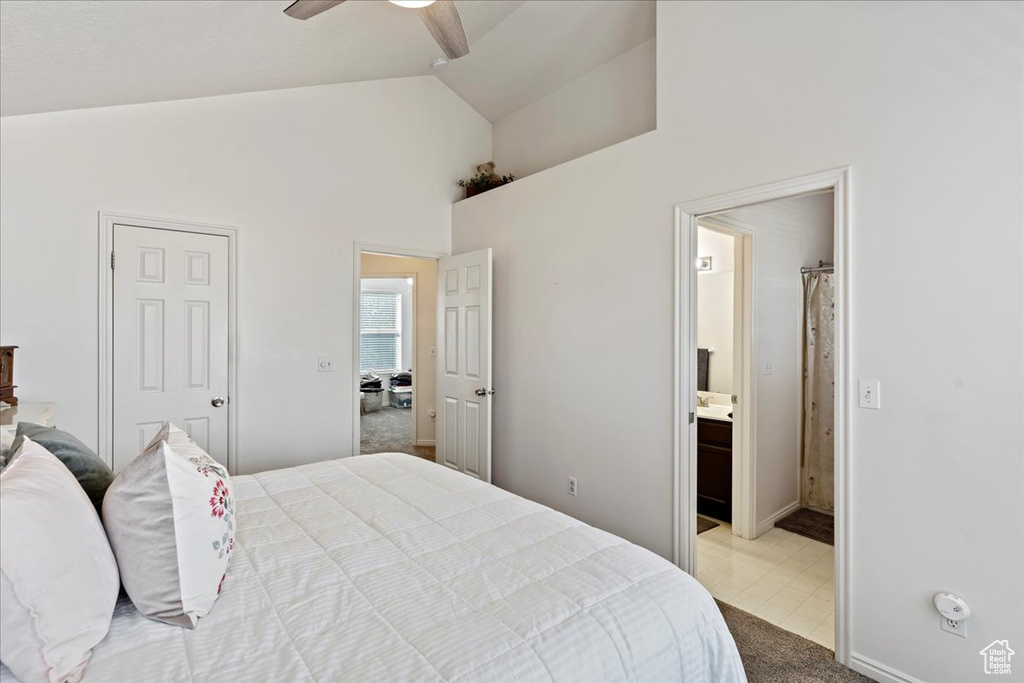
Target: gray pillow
92	473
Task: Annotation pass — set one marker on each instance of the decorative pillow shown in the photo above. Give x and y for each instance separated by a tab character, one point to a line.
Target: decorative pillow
91	472
171	522
58	578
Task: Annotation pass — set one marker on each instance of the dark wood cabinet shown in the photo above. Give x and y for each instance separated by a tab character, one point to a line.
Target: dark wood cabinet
7	375
714	469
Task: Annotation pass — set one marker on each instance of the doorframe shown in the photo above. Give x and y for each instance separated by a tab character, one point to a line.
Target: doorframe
105	401
360	248
744	490
684	544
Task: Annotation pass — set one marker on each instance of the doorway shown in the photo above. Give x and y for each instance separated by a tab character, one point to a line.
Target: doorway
786	578
451	365
396	352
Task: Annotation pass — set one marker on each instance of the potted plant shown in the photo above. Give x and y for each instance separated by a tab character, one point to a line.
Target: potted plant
485	179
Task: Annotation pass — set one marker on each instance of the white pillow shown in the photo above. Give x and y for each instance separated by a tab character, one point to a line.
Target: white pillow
171	522
58	578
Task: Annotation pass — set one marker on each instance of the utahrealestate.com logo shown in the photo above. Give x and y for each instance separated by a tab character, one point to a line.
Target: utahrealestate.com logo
997	657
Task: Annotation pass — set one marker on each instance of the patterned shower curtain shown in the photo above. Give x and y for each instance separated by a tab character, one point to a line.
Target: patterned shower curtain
819	391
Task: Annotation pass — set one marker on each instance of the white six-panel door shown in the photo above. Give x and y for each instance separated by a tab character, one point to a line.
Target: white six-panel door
464	363
170	336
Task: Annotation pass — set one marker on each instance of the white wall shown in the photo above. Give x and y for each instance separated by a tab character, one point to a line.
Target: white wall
789	233
612	103
750	93
715	309
302	173
425	375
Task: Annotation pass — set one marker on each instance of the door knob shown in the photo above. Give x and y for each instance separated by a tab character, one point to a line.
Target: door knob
217	402
484	392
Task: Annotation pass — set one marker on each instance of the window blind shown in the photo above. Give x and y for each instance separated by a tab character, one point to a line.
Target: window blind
380	333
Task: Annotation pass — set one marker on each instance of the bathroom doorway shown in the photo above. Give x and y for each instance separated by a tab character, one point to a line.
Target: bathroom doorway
767	405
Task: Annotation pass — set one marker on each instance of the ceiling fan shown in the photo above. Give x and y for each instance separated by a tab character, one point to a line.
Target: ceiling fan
440	17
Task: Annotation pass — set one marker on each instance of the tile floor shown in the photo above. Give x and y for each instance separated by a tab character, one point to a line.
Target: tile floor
781	577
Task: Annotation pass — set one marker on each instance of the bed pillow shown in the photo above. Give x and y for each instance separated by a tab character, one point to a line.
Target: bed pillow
58	578
92	473
171	522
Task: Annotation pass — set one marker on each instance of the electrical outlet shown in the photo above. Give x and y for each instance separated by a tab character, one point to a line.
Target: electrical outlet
956	627
767	367
324	364
572	486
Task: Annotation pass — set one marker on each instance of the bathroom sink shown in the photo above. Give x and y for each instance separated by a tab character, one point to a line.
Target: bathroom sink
715	412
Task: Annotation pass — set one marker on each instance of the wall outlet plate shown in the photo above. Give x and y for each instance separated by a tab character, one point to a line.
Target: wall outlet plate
572	486
956	627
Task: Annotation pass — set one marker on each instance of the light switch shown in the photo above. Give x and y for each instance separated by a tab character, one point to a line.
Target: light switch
869	397
324	364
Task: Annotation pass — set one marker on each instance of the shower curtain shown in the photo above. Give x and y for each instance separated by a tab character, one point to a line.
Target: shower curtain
819	391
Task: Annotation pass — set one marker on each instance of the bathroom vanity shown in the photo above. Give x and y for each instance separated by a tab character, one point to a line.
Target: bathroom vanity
714	463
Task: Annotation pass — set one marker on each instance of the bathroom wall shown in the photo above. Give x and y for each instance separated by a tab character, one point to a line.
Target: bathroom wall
715	306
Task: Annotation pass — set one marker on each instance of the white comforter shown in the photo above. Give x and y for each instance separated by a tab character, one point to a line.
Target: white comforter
391	568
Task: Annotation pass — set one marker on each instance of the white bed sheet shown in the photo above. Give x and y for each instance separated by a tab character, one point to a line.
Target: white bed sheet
391	568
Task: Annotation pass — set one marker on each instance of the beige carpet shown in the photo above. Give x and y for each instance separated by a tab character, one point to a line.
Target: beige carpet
389	430
773	655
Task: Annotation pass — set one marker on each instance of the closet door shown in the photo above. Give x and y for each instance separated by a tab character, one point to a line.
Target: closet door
170	338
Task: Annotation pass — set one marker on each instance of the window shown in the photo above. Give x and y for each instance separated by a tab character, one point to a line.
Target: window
380	331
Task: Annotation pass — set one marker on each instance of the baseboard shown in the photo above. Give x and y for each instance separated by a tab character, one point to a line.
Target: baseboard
770	522
426	442
878	671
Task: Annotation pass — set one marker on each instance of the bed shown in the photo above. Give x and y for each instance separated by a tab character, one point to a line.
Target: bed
388	567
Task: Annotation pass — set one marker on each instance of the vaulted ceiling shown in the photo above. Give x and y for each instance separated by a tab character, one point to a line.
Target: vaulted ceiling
85	53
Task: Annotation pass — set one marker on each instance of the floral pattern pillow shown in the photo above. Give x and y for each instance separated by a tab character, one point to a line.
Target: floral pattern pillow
170	517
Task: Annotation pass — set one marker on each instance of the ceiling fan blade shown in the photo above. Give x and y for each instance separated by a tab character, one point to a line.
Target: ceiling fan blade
304	9
442	20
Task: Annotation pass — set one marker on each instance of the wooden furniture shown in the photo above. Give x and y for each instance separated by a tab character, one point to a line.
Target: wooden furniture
7	385
714	468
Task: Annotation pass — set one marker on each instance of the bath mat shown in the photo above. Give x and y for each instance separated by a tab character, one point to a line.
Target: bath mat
810	523
705	524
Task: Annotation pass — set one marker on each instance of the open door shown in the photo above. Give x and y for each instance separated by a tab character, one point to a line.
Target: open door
464	363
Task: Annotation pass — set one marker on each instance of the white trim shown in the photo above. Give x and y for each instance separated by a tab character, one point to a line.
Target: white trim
776	516
878	671
360	248
105	408
426	442
744	479
684	389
